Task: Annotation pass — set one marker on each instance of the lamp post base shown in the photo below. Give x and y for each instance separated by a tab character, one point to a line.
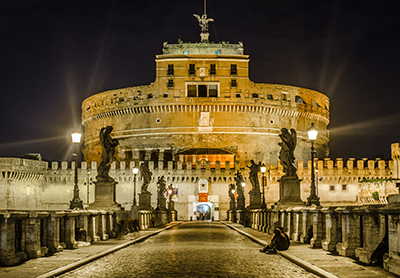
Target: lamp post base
313	200
76	203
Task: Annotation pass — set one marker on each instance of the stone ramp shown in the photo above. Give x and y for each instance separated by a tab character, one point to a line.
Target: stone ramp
317	261
70	259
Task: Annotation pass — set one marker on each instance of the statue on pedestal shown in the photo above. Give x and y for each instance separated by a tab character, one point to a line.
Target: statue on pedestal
253	175
105	185
239	189
289	184
108	147
146	175
286	155
161	190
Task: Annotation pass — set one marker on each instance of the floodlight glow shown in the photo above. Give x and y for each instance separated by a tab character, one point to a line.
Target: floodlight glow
76	137
135	171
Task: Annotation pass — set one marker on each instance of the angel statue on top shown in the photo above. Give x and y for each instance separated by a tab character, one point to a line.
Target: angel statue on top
203	22
286	155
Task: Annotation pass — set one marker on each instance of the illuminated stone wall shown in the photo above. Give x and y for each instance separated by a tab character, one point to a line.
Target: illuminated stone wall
51	186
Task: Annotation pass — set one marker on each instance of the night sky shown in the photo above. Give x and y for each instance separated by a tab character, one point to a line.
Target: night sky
56	53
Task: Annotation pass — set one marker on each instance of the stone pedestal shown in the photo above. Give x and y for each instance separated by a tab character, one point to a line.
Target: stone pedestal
171	206
104	195
289	192
145	201
232	205
204	37
255	200
161	204
240	203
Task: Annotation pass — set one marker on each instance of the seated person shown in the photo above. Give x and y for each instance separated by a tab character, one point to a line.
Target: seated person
279	241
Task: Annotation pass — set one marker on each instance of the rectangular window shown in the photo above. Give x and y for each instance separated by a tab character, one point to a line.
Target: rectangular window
191	89
170	69
269	96
213	70
202	90
344	187
331	188
233	83
192	69
255	95
233	69
170	83
238	95
213	90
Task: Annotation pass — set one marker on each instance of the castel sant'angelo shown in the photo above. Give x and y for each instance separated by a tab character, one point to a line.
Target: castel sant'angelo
203	103
197	125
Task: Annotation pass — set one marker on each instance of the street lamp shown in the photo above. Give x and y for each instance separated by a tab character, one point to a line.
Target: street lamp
76	202
135	171
263	168
313	199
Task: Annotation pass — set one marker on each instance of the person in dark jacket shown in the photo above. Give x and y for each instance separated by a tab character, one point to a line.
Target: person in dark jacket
279	242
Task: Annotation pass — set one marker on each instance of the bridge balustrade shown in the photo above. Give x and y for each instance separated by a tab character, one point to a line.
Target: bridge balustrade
32	234
353	231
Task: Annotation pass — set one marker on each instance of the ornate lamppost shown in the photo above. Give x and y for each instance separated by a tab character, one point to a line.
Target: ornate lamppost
313	199
76	202
263	168
135	171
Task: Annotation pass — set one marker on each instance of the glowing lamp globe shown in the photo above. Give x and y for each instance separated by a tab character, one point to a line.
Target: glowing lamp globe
312	132
263	168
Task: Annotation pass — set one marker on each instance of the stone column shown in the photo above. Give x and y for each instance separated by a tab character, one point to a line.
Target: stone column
33	246
350	234
8	254
297	224
83	223
318	228
332	232
265	220
288	225
373	230
53	235
95	226
307	226
70	219
104	226
274	221
112	224
392	210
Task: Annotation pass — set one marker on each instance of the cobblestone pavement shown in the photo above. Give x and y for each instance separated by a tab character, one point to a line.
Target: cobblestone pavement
192	249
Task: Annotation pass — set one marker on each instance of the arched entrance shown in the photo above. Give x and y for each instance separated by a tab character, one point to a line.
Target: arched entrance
203	208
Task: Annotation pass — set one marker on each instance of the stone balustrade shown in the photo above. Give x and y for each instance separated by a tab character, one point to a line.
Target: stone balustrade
32	234
353	231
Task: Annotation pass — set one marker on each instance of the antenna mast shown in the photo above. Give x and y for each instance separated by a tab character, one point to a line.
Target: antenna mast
205	10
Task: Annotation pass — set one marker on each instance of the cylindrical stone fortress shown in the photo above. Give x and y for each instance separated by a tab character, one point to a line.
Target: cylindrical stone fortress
203	98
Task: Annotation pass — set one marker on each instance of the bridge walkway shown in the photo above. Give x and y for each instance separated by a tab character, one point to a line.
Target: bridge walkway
316	261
